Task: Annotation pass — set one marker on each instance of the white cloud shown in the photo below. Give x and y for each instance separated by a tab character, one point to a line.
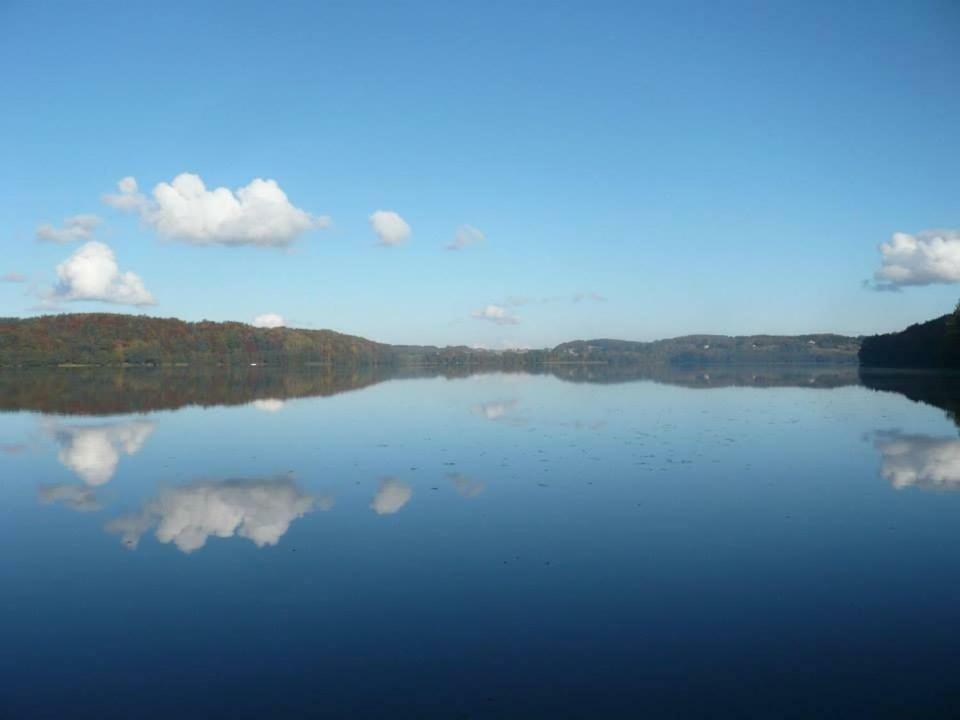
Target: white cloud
392	495
594	296
128	198
390	227
75	497
127	185
927	258
270	405
76	227
93	451
466	235
260	510
496	314
922	461
184	209
268	320
92	274
13	277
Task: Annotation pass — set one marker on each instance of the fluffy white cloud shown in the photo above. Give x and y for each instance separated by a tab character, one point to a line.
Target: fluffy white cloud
466	235
184	209
93	451
76	227
390	227
392	495
127	185
92	274
930	463
270	405
927	258
496	314
13	277
128	198
260	510
75	497
268	320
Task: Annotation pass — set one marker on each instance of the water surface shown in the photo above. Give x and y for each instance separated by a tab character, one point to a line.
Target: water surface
580	543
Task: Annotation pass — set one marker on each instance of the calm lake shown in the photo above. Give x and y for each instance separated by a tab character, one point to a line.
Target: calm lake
582	543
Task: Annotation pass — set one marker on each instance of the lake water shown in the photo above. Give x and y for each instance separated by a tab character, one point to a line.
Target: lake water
578	544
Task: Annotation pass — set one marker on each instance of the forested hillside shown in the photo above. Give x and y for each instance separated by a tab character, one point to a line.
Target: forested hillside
114	339
932	344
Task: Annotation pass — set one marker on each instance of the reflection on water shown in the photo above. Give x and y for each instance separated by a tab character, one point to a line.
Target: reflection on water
684	531
931	463
467	487
260	510
940	389
75	497
270	405
495	409
93	451
717	376
391	496
106	391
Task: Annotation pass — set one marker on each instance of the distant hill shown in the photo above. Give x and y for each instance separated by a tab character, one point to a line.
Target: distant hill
932	344
705	350
115	339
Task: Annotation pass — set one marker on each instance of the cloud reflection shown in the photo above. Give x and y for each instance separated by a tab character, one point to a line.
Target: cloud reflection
391	496
260	510
495	409
466	486
269	405
93	451
75	497
931	463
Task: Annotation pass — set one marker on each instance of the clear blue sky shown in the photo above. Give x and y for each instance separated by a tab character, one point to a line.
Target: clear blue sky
724	167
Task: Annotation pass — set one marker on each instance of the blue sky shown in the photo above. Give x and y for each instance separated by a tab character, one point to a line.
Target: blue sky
638	170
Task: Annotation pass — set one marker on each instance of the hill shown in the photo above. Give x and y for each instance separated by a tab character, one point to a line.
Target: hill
114	339
931	344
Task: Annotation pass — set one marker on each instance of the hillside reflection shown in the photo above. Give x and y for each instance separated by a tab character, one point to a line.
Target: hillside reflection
103	391
940	389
